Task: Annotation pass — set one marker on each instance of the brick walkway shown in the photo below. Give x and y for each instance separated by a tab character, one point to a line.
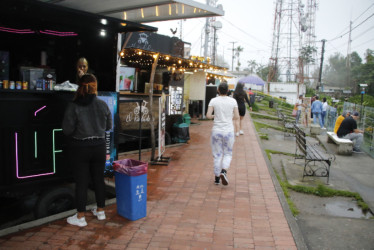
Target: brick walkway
185	210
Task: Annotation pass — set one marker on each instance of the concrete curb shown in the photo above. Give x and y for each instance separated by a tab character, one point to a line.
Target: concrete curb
296	232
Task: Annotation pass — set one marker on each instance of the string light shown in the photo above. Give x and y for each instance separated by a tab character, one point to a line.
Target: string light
144	59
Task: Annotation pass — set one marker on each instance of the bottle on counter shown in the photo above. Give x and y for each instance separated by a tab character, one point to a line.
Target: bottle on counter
18	85
12	85
5	84
25	85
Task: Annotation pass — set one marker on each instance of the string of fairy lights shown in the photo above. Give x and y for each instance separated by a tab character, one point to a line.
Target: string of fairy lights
144	59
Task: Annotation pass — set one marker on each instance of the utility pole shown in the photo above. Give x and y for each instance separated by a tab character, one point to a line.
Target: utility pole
233	56
321	65
206	34
348	62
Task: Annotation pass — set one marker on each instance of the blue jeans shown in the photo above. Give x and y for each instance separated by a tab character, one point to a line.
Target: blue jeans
315	116
323	117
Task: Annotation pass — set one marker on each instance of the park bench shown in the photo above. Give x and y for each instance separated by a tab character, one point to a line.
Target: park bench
287	125
317	163
345	146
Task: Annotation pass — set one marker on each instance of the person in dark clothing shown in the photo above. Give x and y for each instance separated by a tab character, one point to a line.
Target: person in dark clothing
241	97
348	130
85	121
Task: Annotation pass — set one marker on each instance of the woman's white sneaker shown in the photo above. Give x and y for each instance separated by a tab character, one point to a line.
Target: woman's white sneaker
100	215
74	220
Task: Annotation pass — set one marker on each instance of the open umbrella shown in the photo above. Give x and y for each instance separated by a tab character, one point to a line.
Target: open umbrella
252	80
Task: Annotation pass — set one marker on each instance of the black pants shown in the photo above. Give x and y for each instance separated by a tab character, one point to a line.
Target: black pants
88	161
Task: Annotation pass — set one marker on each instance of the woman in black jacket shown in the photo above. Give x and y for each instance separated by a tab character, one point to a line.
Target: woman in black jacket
85	122
241	97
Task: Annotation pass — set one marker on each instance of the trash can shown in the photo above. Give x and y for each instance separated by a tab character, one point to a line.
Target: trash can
131	188
271	104
187	119
181	132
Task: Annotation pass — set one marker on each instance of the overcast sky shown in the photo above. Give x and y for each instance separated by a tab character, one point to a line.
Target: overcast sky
249	23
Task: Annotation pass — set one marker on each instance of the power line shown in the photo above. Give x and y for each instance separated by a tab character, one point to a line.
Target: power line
364	43
363	12
352	28
253	37
353	21
363	33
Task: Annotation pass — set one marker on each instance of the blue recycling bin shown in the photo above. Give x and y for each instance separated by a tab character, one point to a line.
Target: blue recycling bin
131	191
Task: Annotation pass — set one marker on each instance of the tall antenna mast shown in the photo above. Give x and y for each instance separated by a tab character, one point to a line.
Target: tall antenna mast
287	41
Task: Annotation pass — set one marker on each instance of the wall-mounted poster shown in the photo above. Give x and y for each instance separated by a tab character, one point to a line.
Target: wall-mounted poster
126	78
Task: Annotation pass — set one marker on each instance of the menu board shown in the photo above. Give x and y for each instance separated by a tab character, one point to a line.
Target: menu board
175	100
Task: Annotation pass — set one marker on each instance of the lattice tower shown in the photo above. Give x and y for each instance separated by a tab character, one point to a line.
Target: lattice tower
310	37
287	41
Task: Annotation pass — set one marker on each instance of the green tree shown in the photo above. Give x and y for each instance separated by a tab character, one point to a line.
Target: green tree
238	50
263	71
364	73
252	65
335	72
306	54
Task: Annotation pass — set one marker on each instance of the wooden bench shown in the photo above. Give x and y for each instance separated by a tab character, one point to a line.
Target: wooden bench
288	126
345	146
317	163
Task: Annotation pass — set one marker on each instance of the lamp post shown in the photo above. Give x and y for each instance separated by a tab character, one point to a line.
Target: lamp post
362	86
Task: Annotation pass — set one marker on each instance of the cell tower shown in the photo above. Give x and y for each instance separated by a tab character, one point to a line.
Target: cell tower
290	24
310	37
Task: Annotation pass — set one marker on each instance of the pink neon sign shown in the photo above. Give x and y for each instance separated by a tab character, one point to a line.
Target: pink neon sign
17	164
39	110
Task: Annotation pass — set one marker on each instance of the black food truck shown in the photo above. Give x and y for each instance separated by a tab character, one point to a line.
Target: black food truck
40	44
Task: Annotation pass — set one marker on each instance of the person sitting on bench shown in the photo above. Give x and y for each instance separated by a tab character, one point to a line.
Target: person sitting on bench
348	130
339	120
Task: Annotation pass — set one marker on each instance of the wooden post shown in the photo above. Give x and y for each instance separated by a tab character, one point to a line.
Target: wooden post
151	80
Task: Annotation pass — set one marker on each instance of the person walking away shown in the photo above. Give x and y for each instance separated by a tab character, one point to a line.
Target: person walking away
85	121
325	105
348	130
252	98
316	111
299	105
226	112
340	119
241	97
332	116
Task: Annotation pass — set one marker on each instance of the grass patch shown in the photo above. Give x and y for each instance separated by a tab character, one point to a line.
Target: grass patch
262	116
264	136
320	190
284	186
260	125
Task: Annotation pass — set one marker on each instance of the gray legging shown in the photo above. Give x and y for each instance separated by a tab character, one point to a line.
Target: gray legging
357	138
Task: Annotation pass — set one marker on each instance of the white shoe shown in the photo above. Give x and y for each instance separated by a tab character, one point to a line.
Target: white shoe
237	134
73	220
241	132
100	215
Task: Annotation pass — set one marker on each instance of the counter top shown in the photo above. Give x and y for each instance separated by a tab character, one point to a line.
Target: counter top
128	93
